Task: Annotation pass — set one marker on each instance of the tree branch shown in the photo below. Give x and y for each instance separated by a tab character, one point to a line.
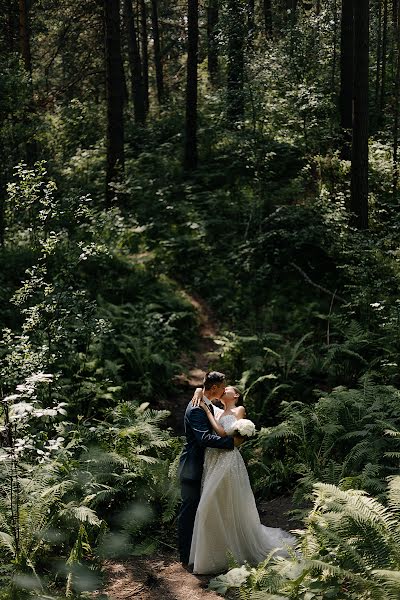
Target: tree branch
316	285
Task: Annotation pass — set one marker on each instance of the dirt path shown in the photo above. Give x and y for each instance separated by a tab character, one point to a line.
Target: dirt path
162	576
194	365
153	579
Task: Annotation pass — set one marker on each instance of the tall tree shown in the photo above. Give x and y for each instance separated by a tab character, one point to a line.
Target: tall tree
135	64
384	58
251	22
378	55
145	51
359	155
114	94
24	36
267	9
396	27
25	50
191	154
212	41
334	43
346	76
157	52
235	67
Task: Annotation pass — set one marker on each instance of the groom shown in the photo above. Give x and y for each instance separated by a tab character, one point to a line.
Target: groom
199	435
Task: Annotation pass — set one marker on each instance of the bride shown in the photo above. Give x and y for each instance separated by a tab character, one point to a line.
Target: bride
227	520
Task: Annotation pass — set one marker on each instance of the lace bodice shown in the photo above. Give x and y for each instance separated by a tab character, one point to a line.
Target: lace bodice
227	421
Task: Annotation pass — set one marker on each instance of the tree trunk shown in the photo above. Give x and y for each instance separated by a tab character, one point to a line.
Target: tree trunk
212	42
334	45
24	36
359	157
378	57
32	151
135	64
267	6
384	59
251	23
145	51
157	52
346	76
191	155
12	27
115	96
396	105
235	70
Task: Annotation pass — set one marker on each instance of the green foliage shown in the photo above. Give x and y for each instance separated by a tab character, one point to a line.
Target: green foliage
92	305
342	439
348	549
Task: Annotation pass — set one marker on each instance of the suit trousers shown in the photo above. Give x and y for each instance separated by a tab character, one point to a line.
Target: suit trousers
190	493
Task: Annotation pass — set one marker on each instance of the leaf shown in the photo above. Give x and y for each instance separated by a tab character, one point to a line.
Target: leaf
7	541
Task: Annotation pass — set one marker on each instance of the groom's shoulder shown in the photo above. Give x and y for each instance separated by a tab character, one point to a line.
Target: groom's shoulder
190	408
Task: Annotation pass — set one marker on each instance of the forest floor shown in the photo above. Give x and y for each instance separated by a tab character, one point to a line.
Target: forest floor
162	575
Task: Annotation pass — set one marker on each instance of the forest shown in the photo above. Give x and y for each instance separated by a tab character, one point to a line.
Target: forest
191	185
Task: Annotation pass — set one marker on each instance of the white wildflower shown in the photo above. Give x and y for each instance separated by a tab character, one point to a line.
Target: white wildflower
21	409
236	577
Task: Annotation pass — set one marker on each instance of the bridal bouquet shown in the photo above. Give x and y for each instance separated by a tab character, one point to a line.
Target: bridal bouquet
243	427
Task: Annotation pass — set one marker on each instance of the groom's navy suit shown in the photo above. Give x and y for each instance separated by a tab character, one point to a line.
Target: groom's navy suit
199	436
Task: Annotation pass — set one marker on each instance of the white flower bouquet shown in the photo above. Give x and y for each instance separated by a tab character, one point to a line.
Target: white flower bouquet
243	427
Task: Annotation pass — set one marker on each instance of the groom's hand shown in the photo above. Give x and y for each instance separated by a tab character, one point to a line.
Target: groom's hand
238	440
197	396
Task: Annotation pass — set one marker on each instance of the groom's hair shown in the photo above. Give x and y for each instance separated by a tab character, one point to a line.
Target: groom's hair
213	378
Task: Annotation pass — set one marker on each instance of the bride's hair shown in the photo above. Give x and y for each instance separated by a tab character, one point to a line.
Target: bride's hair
213	378
239	401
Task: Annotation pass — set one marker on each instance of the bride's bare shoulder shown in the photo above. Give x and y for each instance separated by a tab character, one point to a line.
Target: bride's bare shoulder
240	412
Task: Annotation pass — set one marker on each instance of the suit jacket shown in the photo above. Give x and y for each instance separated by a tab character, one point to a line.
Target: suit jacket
199	436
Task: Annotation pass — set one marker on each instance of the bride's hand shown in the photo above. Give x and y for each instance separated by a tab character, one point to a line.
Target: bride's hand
197	397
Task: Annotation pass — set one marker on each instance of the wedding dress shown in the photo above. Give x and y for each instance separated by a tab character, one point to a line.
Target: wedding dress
227	519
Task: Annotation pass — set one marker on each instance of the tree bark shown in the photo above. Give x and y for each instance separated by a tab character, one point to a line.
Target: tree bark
114	95
191	154
24	36
212	42
31	144
346	76
359	157
267	8
251	23
157	52
334	44
378	56
145	51
12	27
135	64
235	70
396	105
384	59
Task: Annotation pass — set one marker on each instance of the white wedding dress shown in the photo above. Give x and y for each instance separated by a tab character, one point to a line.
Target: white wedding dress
227	519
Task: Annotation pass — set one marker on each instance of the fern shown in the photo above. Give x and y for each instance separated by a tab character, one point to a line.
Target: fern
350	547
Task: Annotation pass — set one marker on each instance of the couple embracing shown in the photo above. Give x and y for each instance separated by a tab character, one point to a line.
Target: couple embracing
218	516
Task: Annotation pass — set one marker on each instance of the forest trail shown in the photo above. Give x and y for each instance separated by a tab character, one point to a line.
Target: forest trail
197	365
161	575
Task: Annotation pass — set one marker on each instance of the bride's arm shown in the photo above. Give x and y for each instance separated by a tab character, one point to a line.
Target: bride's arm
197	396
214	423
240	412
